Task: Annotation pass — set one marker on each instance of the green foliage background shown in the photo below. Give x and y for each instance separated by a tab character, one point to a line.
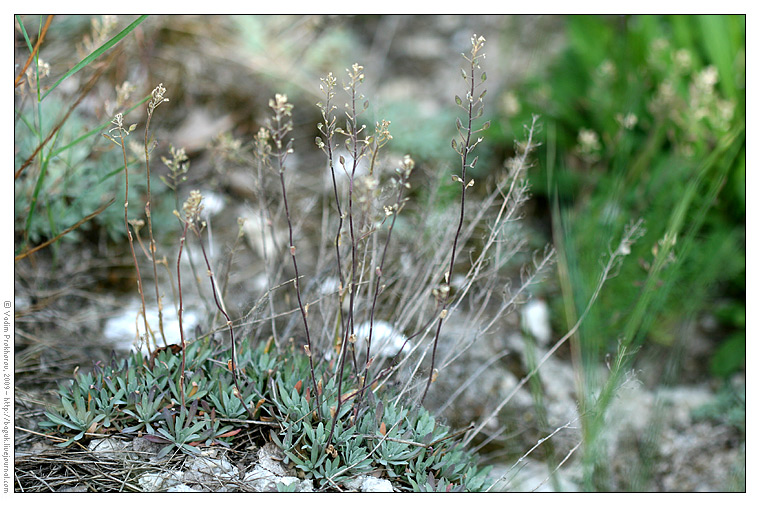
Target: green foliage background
682	78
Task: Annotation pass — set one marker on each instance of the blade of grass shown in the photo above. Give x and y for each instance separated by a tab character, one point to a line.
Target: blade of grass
85	90
26	122
98	52
676	226
716	30
39	125
649	298
36	193
37	81
36	47
643	469
114	172
97	129
26	36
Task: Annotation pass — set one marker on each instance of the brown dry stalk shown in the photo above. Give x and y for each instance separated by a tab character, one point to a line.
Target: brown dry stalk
34	51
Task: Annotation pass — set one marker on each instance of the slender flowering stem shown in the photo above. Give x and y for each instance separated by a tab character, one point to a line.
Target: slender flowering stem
192	208
326	145
220	305
464	147
381	137
349	336
328	132
261	154
158	98
279	128
402	183
122	132
180	311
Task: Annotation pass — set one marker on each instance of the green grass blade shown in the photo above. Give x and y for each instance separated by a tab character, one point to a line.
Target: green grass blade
23	31
113	173
720	163
98	52
684	223
37	188
26	122
716	30
96	129
37	75
675	228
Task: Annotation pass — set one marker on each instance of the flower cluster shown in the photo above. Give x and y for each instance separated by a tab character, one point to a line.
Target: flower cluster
158	98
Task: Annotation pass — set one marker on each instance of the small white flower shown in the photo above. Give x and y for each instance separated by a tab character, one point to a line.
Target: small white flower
588	141
682	60
627	121
158	97
708	77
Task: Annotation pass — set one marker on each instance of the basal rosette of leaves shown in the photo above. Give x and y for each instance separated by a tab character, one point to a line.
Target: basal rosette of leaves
140	396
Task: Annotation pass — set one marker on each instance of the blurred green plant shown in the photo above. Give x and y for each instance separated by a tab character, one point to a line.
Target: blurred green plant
637	110
645	119
291	52
62	180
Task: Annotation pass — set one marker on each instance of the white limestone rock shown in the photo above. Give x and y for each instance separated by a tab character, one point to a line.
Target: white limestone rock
369	484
